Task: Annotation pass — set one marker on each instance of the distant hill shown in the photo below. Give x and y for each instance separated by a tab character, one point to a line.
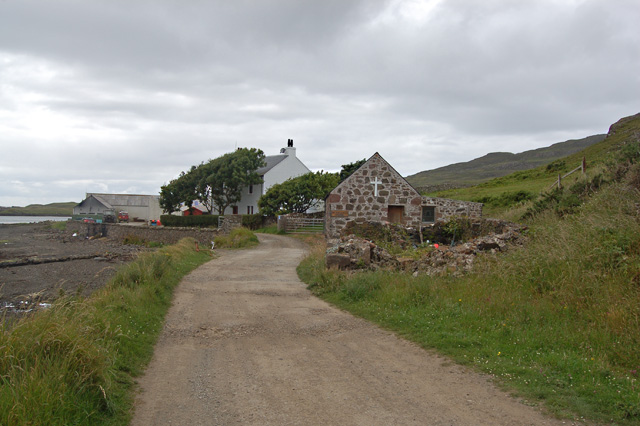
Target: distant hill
53	209
495	164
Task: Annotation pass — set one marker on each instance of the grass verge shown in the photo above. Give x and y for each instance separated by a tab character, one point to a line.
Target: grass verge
271	229
75	363
558	323
238	238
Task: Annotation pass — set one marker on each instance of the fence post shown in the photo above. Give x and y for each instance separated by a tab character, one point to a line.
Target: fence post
584	165
560	180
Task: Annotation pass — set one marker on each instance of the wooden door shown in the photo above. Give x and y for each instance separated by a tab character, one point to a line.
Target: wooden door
396	214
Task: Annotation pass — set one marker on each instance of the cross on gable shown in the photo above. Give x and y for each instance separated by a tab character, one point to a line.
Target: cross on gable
375	183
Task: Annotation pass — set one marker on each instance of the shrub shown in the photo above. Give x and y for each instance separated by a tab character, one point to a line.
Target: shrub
252	221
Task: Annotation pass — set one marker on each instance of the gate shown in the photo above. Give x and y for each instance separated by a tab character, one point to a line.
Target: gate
296	224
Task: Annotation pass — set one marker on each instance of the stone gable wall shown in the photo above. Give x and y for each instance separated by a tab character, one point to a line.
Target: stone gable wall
355	199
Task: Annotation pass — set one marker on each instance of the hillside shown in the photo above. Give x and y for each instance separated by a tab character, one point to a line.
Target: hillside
495	164
503	192
52	209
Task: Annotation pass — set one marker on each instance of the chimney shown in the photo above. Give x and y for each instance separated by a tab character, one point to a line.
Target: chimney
289	150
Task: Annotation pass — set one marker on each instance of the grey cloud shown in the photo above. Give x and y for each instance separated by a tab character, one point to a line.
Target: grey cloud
153	87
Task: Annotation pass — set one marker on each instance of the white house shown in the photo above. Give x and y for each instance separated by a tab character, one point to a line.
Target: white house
278	168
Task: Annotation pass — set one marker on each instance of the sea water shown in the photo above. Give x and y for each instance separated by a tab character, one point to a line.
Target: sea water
32	219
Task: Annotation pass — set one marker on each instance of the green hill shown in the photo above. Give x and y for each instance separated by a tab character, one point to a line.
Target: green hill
52	209
503	192
495	164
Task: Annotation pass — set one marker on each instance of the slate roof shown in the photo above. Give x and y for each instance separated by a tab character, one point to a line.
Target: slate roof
103	201
272	161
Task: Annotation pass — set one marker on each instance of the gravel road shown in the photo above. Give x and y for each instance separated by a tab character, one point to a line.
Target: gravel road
246	343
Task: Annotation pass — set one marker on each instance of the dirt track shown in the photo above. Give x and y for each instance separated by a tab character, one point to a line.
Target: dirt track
246	343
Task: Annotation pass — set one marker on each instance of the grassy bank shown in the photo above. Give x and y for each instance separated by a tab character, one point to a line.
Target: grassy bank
502	194
557	322
75	363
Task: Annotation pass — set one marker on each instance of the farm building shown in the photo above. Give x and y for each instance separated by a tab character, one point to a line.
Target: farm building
140	207
376	192
94	205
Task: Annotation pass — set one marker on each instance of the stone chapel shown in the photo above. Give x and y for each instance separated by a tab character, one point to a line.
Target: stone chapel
376	192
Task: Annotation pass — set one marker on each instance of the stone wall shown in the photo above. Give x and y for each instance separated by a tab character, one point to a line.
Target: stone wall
204	236
355	199
229	222
446	208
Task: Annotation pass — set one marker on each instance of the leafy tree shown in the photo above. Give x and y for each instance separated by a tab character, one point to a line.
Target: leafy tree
231	173
217	183
181	189
169	198
297	195
348	169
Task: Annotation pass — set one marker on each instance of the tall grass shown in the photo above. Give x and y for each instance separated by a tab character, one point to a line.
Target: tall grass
75	363
237	238
557	322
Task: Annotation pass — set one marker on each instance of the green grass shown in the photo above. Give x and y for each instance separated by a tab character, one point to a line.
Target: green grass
556	322
538	180
273	229
75	363
238	238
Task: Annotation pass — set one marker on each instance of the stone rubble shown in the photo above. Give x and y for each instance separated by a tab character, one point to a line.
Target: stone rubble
353	253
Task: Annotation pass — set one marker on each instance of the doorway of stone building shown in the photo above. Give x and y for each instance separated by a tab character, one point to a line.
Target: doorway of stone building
396	214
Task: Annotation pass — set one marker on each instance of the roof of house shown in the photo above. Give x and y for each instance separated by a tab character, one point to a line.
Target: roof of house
98	199
366	163
102	201
271	161
132	200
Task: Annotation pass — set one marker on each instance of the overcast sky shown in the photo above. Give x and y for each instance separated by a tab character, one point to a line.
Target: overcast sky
120	96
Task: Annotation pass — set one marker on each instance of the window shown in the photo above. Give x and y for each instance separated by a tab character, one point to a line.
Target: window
250	190
235	209
428	214
249	209
395	214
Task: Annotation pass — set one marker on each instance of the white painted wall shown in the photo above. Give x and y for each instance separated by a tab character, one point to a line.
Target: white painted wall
289	167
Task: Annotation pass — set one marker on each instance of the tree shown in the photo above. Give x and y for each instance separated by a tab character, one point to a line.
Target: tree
169	198
179	190
218	182
348	169
232	172
297	195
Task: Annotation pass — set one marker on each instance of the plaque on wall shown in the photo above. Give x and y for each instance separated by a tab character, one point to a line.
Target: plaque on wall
339	213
